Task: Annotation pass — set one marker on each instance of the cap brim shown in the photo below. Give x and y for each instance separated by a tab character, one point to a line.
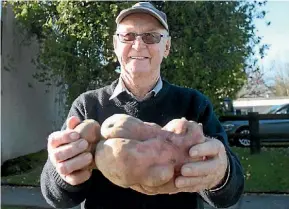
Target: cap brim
127	12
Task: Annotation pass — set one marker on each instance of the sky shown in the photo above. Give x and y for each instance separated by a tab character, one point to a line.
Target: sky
277	34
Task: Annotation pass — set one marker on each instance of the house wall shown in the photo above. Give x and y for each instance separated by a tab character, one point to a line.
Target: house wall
29	110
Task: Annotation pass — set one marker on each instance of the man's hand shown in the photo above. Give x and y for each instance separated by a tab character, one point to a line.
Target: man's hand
195	133
67	153
201	175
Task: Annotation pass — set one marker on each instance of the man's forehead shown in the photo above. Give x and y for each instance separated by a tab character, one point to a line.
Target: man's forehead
140	20
145	28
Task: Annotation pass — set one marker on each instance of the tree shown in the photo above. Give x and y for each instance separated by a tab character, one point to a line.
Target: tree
280	78
255	85
215	50
211	43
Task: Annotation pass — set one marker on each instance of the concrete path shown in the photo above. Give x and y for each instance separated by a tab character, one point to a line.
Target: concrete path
265	201
32	197
23	196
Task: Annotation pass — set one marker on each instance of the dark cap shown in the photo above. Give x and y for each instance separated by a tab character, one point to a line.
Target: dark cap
144	7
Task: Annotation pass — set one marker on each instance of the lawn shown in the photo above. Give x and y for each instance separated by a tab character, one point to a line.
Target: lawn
24	170
264	172
267	171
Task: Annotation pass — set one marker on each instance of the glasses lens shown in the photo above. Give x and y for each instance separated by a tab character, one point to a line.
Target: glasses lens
151	38
127	37
148	38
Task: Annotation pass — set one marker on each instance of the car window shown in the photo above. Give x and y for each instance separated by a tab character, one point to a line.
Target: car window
284	110
279	109
273	109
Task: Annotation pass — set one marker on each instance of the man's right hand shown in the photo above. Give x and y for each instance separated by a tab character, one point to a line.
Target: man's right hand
67	152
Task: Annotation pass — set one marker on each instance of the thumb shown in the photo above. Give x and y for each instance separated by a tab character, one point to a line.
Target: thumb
72	122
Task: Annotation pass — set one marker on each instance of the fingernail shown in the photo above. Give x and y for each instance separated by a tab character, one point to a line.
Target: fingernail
74	135
193	153
186	170
82	144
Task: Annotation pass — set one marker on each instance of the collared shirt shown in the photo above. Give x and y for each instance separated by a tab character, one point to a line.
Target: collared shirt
121	88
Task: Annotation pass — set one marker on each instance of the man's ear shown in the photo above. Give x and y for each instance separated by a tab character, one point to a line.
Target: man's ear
167	47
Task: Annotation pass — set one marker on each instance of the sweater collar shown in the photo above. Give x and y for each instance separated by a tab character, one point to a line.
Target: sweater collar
120	87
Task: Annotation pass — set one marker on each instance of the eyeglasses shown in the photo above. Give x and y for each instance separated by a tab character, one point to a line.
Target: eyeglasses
148	38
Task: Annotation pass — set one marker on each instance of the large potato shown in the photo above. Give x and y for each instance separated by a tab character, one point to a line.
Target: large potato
90	131
144	156
127	162
125	126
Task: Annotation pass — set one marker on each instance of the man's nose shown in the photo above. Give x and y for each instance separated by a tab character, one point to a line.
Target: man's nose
138	43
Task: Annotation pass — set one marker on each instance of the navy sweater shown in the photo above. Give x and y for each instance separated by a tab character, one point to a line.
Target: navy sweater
170	103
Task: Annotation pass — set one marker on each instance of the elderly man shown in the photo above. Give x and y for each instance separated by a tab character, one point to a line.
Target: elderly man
141	42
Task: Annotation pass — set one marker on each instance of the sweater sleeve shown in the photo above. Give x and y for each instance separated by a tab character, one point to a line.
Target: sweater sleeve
57	192
230	192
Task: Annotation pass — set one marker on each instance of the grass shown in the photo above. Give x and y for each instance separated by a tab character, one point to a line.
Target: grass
24	170
264	172
31	178
267	171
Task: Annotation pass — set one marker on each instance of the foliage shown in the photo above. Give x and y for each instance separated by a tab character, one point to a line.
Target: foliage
214	47
22	164
212	43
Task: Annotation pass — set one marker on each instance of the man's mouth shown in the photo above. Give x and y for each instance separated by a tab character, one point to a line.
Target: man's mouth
138	58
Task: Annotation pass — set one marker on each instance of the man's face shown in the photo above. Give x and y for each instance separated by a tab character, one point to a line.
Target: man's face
137	58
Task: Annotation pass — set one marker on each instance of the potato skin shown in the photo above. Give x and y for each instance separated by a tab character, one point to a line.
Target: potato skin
125	126
132	162
144	156
90	131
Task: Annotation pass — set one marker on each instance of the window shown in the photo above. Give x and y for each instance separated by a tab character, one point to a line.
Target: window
284	110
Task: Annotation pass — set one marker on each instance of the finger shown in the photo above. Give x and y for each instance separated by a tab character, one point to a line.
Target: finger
61	137
200	168
211	147
68	151
74	164
191	182
72	122
77	177
196	132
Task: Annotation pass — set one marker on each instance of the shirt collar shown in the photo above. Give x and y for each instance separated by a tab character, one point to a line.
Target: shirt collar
120	87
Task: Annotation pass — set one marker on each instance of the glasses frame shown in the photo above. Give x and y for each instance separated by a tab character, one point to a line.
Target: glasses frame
138	34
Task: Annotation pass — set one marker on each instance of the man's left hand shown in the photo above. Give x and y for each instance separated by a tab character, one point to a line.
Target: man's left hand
207	174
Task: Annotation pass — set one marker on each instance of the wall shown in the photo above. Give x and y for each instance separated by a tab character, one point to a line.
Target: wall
28	111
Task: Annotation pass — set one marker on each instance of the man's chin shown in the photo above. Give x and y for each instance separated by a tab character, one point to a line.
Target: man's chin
137	71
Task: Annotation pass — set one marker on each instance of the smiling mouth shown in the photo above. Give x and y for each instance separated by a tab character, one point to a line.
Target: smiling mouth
139	58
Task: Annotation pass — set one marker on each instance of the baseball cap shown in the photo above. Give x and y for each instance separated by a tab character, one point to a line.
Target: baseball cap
144	7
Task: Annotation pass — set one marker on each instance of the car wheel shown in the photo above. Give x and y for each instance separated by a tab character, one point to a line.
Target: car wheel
243	141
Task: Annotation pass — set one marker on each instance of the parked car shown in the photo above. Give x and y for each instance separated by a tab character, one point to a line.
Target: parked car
265	126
